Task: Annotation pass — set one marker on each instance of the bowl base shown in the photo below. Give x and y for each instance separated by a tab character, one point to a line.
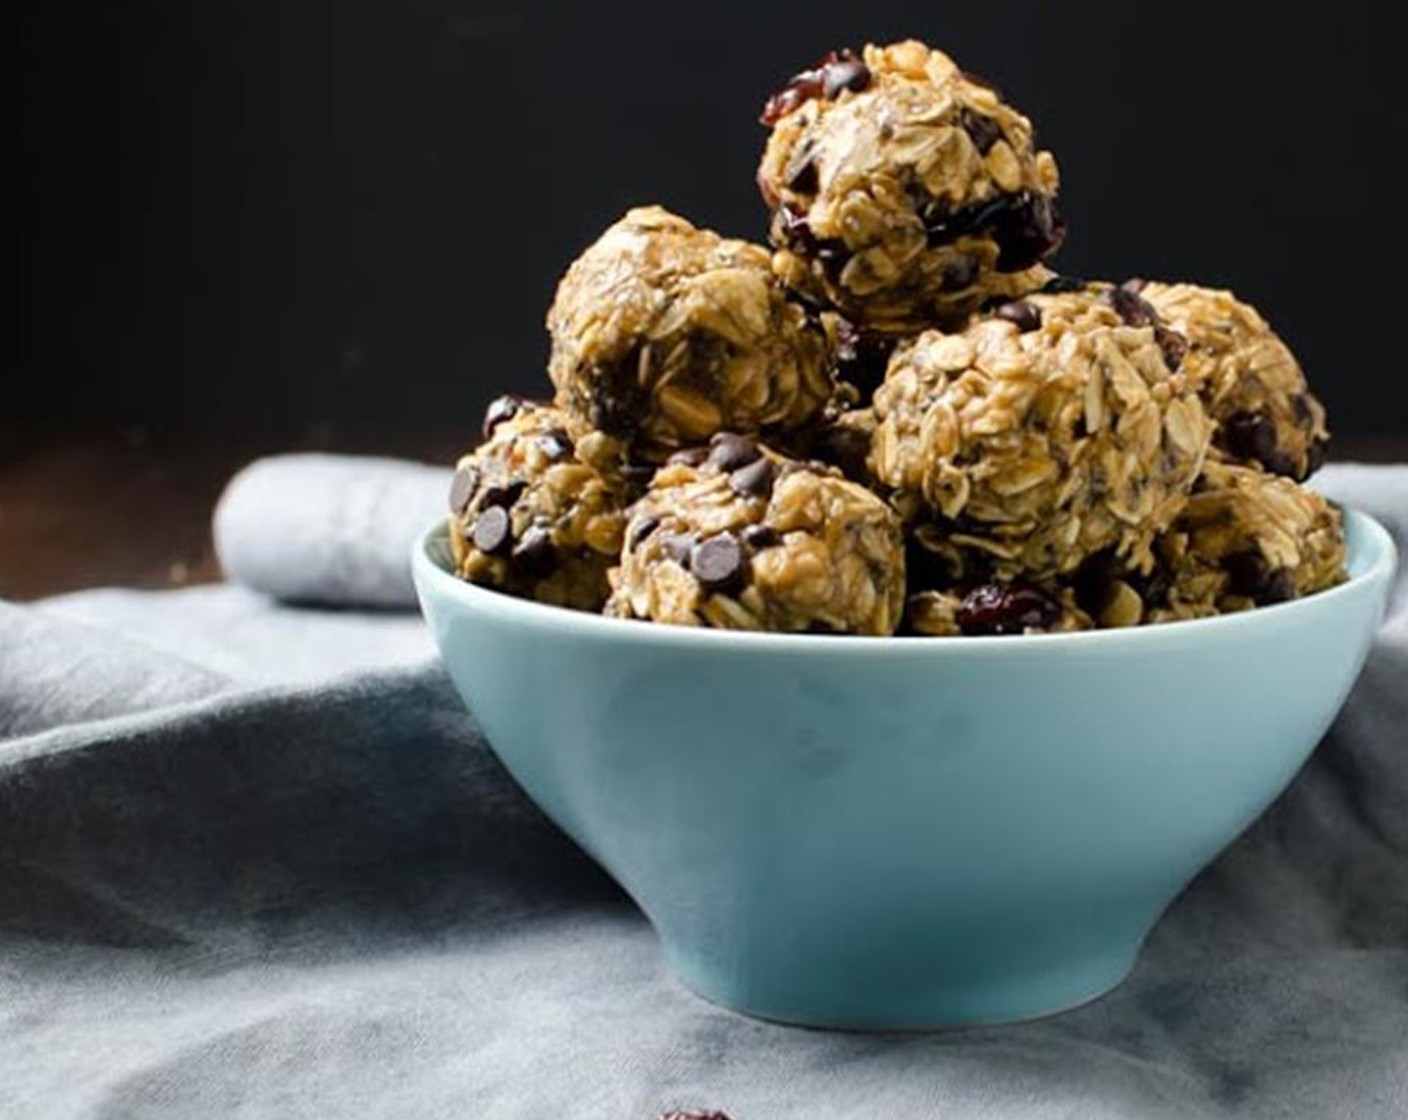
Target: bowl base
988	1002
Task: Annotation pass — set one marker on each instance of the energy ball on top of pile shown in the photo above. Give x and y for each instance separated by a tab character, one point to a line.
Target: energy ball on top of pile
1051	429
663	334
1245	539
1249	380
538	509
738	537
905	192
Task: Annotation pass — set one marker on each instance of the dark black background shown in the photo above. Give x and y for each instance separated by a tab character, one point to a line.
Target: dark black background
313	210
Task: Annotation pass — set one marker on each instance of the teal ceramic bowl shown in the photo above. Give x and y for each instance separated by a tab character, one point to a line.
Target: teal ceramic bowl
900	833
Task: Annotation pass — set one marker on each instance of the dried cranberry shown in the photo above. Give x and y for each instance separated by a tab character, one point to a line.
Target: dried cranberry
1249	436
1006	608
1025	226
829	78
1026	232
862	356
844	72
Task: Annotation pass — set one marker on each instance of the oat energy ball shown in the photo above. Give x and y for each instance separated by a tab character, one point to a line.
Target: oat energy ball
1044	432
737	537
1248	378
663	334
534	511
905	192
1245	539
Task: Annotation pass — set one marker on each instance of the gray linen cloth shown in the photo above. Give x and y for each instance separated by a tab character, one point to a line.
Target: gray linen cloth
256	861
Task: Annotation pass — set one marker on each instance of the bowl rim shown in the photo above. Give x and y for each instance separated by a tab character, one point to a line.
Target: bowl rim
1374	542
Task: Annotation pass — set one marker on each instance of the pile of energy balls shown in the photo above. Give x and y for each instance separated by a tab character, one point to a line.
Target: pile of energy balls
900	419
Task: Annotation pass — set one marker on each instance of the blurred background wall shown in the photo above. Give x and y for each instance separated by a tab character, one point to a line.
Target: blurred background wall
299	211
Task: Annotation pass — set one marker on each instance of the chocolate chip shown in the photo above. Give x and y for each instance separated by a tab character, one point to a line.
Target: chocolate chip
462	488
534	556
958	272
981	129
1059	284
640	530
556	444
492	531
847	72
717	563
1300	406
1132	307
504	495
1023	315
676	1114
759	537
728	451
501	409
1249	436
688	457
1006	608
1247	573
1173	345
753	481
677	546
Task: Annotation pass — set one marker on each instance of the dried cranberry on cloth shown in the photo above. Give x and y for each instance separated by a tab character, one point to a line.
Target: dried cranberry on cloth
256	861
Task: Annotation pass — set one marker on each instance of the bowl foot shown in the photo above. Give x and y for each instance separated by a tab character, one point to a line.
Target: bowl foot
943	1005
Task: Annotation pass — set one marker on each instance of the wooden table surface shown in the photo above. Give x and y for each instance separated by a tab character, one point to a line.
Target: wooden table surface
131	506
